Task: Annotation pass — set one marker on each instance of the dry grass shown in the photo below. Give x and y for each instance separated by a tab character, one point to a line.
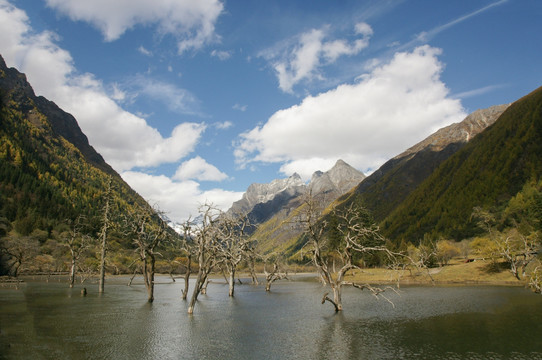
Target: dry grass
457	272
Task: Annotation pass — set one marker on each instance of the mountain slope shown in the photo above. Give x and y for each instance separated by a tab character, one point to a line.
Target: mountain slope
48	171
486	172
388	186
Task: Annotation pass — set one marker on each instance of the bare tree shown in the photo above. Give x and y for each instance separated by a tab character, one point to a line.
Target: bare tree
188	248
148	230
518	250
77	243
103	233
535	280
206	242
278	271
355	237
251	256
233	244
20	249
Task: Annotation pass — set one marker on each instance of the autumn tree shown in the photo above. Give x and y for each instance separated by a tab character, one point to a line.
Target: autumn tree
355	237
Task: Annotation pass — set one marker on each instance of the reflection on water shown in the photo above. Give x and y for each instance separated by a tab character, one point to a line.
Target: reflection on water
51	321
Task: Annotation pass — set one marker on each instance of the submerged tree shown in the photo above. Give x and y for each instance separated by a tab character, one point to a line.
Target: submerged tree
251	256
106	223
277	271
206	243
77	243
233	244
354	238
187	246
147	229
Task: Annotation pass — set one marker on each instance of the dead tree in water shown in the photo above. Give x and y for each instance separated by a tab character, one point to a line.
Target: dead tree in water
188	248
251	256
147	229
233	244
206	241
277	273
104	232
354	236
77	243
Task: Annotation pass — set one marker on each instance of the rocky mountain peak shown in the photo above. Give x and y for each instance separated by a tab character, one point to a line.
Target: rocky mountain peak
276	194
461	132
338	180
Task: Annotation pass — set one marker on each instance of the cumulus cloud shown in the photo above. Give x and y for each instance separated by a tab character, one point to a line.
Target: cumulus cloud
199	169
191	22
388	110
124	139
178	198
301	59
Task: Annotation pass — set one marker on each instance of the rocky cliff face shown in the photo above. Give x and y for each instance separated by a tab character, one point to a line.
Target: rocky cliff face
461	132
337	181
263	193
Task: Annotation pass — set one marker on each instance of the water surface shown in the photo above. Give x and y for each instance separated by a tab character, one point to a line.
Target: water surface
50	321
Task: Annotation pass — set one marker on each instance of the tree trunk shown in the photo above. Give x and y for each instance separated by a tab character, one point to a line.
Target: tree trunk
187	278
148	271
203	288
231	281
337	298
72	272
104	238
197	288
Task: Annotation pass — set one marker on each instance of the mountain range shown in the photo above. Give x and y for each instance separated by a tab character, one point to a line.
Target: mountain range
50	173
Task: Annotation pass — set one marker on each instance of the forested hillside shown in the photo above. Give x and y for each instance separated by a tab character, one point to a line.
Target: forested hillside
495	167
49	174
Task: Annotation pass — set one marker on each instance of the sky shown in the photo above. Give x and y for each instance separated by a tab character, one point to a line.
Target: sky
192	101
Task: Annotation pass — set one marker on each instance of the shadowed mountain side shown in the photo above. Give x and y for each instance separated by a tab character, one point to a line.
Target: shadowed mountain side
387	187
486	172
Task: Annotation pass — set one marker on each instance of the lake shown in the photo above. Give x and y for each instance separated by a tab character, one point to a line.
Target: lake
50	321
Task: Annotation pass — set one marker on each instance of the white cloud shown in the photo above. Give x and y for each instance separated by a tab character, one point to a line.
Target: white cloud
124	139
223	125
301	59
391	108
144	51
222	55
191	22
240	107
477	92
198	169
426	36
174	98
180	199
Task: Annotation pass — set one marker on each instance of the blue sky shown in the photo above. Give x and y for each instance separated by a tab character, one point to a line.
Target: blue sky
192	101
